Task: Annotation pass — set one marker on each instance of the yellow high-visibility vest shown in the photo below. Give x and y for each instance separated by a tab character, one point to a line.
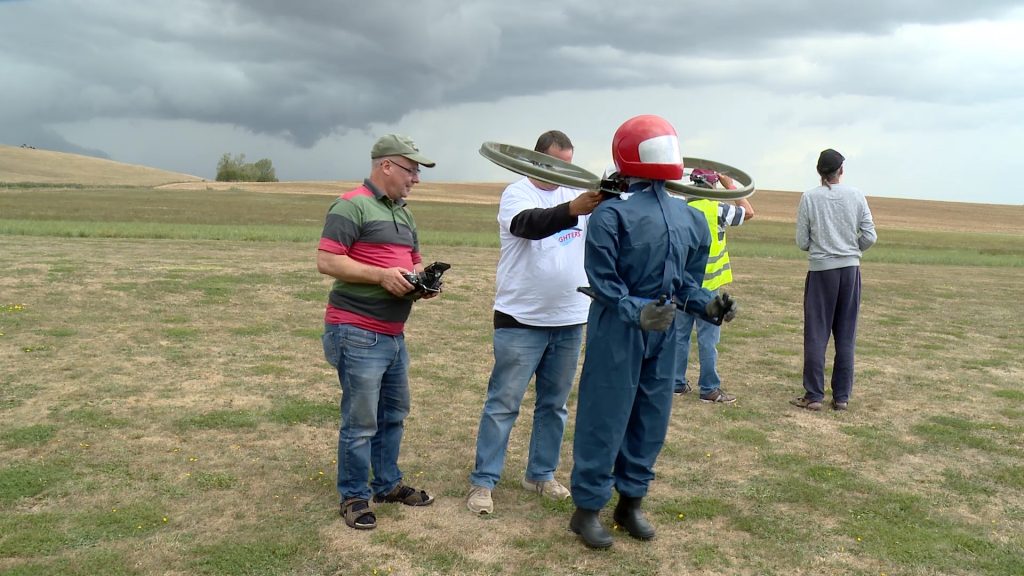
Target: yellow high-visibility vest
718	271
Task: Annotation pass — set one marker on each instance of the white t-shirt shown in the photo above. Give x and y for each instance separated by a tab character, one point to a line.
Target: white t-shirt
537	279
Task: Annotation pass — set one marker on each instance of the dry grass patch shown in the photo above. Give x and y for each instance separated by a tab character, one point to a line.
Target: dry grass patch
49	167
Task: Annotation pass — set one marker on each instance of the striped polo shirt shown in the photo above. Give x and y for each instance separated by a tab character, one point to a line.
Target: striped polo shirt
367	226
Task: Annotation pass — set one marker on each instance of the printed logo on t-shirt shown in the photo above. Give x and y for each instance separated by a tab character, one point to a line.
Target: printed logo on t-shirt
565	237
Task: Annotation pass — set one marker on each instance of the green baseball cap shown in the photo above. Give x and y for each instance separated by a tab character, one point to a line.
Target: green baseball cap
398	145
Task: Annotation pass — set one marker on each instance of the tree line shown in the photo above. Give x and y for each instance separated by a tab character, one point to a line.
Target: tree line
236	169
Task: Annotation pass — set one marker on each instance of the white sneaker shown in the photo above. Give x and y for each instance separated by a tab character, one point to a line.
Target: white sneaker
550	488
479	500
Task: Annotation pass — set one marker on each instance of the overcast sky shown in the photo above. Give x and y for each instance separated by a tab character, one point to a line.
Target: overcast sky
925	98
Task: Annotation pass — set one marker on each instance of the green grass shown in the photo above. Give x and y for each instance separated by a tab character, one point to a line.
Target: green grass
901	529
23	479
302	411
253	330
181	334
1016	395
958	432
102	205
1011	477
873	442
214	480
761	239
161	231
746	436
220	419
35	185
969	486
121	521
90	563
32	435
692	509
270	553
267	369
90	417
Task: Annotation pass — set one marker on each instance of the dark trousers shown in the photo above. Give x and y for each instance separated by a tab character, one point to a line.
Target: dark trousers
623	410
831	305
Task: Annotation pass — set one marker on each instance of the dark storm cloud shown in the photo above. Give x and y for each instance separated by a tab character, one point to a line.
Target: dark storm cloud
304	70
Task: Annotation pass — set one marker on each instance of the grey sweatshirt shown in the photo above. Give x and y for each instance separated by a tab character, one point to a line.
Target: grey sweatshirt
834	226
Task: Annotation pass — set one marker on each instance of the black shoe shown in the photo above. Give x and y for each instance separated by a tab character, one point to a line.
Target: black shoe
628	515
680	390
587	524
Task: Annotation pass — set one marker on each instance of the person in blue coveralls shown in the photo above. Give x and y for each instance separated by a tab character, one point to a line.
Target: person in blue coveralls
644	257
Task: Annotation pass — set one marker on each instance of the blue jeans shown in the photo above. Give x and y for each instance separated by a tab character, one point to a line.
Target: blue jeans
708	336
520	353
373	372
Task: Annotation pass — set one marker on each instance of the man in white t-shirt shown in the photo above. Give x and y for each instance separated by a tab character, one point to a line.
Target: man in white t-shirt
538	325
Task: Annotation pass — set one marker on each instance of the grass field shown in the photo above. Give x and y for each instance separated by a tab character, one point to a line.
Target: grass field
165	407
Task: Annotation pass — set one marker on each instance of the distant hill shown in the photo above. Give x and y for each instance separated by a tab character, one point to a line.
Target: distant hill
44	166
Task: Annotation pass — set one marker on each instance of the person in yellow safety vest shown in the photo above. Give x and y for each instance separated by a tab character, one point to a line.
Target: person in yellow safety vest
718	273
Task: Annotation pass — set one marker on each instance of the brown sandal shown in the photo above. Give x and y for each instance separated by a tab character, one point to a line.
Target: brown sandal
358	515
406	495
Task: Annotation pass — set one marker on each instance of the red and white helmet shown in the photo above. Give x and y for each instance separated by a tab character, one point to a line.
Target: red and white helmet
647	147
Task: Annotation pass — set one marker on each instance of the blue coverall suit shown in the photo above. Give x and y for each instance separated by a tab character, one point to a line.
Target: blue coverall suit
636	250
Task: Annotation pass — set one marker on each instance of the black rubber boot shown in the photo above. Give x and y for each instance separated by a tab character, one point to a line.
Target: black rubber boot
628	515
587	524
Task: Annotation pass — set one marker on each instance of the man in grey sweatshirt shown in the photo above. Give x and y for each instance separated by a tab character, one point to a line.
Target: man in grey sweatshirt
834	225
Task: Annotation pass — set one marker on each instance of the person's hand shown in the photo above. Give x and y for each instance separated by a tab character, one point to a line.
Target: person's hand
657	315
722	309
727	181
585	203
393	280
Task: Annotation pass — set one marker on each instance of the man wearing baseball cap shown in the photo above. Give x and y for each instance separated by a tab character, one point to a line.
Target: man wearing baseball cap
398	145
368	242
834	226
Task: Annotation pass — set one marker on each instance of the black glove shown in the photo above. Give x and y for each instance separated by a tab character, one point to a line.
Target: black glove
722	309
657	315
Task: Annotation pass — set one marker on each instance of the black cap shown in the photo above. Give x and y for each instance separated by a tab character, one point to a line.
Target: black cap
829	161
